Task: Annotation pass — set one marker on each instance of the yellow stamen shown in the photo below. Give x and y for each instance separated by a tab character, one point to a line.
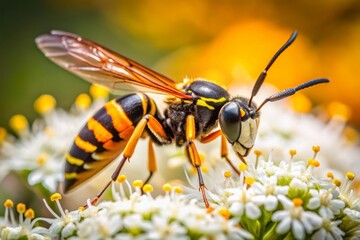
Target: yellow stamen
8	203
20	208
242	167
314	163
316	148
300	103
29	214
166	187
41	159
3	134
137	183
337	182
45	103
249	180
81	208
83	101
121	179
257	152
350	175
148	188
97	91
292	152
224	212
330	175
55	196
178	190
297	202
18	123
227	174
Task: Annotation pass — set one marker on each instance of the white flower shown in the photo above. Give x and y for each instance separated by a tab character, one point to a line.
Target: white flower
295	218
329	229
324	200
242	203
267	192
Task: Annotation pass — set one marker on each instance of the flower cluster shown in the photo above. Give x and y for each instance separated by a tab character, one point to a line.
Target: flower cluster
266	201
39	150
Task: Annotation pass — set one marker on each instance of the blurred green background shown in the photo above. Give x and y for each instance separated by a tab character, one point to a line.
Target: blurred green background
228	41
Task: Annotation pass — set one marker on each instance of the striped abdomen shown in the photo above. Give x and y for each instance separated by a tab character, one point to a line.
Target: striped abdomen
104	137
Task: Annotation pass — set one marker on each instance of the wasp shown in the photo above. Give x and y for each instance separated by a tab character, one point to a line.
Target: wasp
194	110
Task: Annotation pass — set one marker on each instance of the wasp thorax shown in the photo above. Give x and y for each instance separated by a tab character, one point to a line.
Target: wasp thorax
239	123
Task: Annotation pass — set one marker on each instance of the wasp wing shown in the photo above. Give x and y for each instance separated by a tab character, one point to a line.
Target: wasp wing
102	66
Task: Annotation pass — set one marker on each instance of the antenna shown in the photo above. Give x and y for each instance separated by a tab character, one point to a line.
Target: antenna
290	91
263	74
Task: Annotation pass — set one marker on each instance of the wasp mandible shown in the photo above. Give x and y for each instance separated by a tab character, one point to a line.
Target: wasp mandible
193	111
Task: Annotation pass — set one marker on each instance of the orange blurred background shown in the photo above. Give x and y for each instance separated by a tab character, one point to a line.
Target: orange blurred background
229	42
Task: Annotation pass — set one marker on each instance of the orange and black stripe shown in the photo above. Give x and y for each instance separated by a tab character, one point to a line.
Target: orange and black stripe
104	136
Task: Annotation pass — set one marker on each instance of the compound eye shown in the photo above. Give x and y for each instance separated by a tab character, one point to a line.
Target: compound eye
230	121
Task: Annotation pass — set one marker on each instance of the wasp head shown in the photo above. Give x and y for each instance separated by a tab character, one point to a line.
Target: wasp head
239	123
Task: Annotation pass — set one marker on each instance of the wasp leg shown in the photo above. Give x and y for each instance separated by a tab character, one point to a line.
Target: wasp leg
193	155
154	126
152	163
224	149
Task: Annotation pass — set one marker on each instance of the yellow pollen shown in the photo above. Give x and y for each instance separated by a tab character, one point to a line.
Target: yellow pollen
227	174
224	212
20	208
97	91
148	188
316	148
337	182
166	187
8	203
18	123
339	110
83	101
292	152
330	175
249	180
257	152
29	214
121	178
55	197
314	163
297	202
3	134
41	159
178	190
350	175
137	183
81	208
242	167
300	103
45	103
